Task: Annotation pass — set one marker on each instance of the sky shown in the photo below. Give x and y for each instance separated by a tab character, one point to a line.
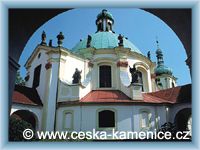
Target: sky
141	28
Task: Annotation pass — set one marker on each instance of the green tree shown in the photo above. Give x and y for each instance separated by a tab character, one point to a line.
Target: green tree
169	127
19	80
16	128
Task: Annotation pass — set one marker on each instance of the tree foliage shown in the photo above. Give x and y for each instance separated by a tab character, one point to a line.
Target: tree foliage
16	128
169	127
19	80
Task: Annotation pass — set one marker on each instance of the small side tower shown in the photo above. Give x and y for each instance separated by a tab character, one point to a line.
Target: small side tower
164	76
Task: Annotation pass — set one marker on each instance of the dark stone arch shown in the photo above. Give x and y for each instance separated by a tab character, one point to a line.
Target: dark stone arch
22	24
27	116
29	20
181	119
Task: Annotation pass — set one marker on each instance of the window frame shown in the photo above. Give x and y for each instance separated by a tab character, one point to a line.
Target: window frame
141	73
111	76
106	128
65	112
149	114
34	78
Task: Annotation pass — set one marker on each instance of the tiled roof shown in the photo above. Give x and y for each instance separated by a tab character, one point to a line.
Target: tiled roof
179	94
111	96
26	95
105	96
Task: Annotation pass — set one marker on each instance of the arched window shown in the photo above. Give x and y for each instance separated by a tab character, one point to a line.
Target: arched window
105	79
145	119
141	79
99	26
106	119
36	79
173	84
68	120
144	76
109	27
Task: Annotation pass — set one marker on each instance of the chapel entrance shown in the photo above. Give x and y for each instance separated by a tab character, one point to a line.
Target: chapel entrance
105	77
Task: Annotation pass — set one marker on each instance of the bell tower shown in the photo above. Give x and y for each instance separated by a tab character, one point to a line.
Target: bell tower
164	75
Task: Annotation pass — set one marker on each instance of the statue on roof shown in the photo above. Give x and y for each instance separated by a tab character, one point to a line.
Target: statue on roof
50	43
60	38
121	42
135	74
76	76
149	55
89	39
43	37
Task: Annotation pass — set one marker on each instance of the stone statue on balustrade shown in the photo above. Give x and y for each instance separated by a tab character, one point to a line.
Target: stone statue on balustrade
76	76
135	74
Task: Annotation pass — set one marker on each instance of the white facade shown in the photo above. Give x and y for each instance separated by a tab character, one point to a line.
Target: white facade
62	109
129	117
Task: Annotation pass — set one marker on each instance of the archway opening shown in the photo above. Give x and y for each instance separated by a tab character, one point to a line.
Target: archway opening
182	119
27	116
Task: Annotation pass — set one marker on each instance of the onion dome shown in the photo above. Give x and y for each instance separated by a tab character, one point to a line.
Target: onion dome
161	68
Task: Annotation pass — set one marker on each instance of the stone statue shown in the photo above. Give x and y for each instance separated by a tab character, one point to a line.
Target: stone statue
50	43
76	76
60	38
43	38
149	55
89	39
121	42
136	77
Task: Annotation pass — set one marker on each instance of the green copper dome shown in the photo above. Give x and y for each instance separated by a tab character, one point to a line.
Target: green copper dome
105	40
161	69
